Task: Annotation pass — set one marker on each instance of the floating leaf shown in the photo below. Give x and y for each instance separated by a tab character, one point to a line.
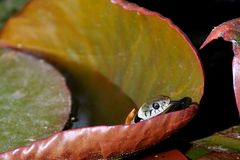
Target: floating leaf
103	142
224	144
220	156
8	8
168	155
135	51
34	101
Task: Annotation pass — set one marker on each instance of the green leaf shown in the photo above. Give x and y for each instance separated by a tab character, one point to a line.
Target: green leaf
9	8
34	100
226	142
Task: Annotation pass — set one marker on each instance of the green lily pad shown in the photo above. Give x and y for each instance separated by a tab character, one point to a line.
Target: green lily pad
223	143
8	8
34	100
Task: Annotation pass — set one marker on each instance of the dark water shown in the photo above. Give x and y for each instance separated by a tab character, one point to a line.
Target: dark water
96	100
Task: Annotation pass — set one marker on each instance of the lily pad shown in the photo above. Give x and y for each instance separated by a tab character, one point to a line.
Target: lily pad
167	155
8	8
138	53
34	100
103	142
221	145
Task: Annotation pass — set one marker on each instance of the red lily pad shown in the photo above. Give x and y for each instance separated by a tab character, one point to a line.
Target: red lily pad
168	155
103	142
230	31
135	50
34	100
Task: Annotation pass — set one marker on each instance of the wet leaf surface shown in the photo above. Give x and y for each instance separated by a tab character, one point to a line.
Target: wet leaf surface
34	100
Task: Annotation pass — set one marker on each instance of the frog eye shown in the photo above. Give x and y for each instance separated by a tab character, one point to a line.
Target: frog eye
155	105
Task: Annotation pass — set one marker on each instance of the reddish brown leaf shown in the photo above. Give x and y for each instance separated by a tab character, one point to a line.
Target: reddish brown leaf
104	141
230	31
168	155
220	156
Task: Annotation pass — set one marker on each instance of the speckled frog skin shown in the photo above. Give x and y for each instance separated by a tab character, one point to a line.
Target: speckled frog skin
160	105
